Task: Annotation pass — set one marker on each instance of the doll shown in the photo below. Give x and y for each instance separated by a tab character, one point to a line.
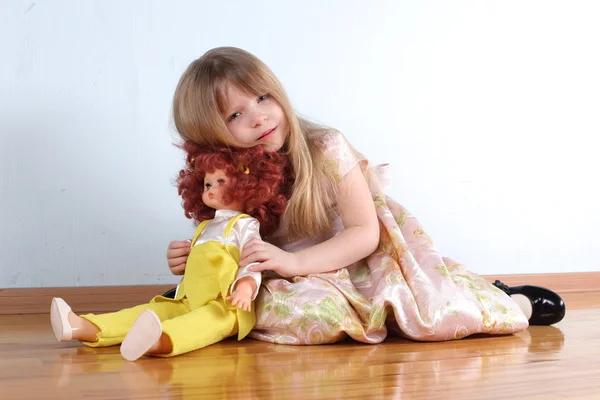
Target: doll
235	195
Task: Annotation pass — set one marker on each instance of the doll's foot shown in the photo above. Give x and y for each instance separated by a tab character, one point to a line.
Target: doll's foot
547	307
142	336
59	318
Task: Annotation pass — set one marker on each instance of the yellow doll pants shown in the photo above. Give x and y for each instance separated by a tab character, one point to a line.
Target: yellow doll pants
188	329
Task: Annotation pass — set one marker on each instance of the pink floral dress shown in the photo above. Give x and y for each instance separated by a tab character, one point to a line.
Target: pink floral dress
405	287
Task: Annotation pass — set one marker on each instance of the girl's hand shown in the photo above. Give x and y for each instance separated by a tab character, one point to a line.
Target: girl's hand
177	255
270	258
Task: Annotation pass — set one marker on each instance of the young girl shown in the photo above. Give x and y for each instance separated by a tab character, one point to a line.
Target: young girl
347	260
234	184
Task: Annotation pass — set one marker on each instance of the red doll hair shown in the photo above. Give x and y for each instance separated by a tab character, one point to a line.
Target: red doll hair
263	190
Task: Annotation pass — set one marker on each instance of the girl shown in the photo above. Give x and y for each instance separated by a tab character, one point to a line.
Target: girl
347	259
249	181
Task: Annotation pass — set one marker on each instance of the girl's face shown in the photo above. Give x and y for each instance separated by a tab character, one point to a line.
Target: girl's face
255	120
214	183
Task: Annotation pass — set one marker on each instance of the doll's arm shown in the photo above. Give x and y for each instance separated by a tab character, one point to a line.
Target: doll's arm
242	295
249	230
245	274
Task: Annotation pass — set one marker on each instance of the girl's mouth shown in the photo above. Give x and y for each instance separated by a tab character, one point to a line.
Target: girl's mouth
267	134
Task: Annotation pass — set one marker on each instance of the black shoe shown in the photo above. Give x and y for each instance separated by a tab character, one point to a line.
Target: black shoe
170	294
548	307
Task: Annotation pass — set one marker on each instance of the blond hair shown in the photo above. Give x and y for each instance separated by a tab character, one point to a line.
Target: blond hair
199	105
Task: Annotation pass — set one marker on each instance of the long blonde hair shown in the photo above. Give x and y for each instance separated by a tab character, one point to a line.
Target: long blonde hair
199	105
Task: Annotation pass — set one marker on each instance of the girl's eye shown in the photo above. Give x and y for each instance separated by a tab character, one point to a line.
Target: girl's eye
233	116
263	97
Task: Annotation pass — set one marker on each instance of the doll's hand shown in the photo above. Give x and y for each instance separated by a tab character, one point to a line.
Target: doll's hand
242	295
241	300
270	258
177	255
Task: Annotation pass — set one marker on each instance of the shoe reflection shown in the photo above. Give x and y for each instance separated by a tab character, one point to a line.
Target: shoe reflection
545	339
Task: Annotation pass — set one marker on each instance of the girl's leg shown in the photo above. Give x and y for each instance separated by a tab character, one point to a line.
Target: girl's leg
541	306
196	329
524	304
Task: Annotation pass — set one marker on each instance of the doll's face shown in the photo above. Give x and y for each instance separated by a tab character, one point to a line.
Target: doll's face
214	183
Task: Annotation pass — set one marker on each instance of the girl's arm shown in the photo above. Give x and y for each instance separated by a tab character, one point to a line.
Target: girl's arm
359	238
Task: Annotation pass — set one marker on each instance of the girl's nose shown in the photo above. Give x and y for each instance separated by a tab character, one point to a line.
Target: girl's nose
259	119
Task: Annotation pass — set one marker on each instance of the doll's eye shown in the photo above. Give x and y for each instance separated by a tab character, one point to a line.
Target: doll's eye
207	186
221	181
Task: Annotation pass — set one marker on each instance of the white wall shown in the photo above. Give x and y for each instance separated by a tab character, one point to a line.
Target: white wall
488	112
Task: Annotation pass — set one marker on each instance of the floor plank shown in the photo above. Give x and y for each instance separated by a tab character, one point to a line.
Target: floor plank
558	362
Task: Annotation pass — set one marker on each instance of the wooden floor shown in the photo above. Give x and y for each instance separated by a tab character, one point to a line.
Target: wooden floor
558	362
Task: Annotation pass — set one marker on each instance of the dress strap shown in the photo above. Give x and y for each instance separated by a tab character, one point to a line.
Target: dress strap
232	222
199	230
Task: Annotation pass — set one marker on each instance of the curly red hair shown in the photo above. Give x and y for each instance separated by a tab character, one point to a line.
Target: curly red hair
264	191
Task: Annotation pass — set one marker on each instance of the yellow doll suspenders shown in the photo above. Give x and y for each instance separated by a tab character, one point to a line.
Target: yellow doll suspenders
226	233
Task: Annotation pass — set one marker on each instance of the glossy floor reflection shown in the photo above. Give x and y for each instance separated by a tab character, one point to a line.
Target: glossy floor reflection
562	361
